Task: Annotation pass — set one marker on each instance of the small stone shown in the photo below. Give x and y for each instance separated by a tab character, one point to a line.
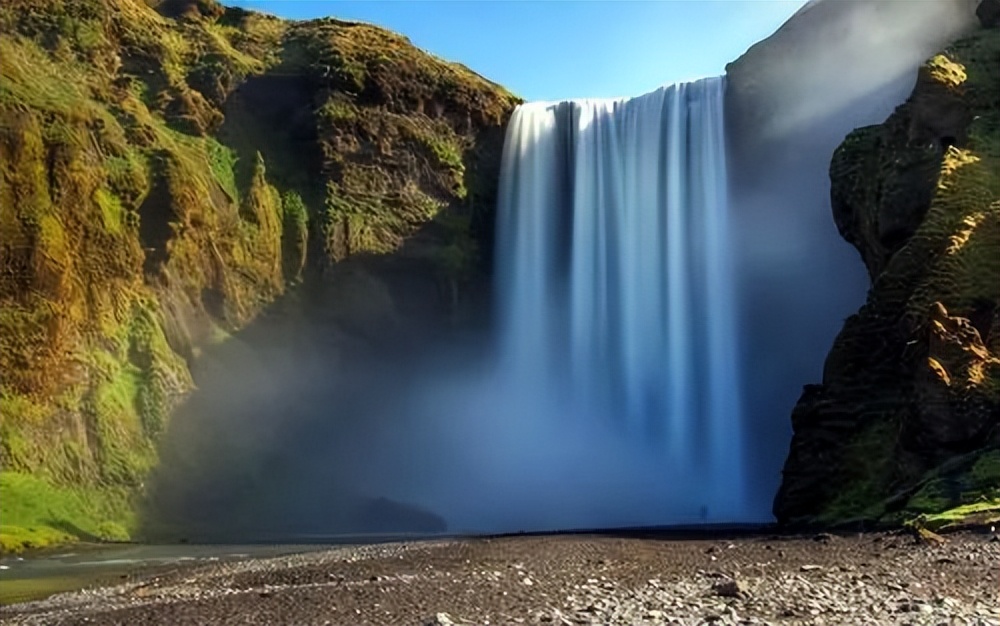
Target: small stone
732	589
441	619
527	581
929	537
810	568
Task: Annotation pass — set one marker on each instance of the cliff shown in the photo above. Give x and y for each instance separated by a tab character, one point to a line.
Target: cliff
172	168
905	426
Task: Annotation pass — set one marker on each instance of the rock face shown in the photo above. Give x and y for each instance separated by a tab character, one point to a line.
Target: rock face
171	168
907	418
790	100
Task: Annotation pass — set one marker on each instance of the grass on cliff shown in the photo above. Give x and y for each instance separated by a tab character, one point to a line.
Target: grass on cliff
126	161
949	499
976	514
34	513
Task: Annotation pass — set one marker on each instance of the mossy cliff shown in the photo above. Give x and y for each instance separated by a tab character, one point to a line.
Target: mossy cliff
906	423
171	168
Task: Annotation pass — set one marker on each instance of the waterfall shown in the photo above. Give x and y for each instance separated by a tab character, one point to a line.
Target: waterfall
615	286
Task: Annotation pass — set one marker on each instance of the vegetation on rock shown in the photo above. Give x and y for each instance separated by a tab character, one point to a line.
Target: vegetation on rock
169	169
906	424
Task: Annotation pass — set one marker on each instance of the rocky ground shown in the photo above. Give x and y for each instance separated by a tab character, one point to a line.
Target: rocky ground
569	579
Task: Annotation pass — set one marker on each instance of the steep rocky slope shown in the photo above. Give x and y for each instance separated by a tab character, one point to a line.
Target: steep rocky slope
906	423
171	168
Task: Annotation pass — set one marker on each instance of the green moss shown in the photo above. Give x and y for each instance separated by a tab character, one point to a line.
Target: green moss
28	443
985	474
373	223
117	426
338	111
17	450
30	77
112	211
120	212
976	514
444	147
295	235
223	162
34	513
867	466
931	497
162	373
15	407
128	176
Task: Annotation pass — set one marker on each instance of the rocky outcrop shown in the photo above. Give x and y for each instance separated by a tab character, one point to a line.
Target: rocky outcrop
169	170
906	421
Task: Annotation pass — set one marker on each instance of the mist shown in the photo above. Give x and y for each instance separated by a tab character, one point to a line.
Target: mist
354	407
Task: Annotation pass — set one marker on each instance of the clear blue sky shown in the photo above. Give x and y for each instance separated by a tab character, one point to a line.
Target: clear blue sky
553	50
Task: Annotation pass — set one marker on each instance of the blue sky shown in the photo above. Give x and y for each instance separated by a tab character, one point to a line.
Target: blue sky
553	50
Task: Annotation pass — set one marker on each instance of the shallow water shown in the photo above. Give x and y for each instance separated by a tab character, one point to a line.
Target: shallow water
37	576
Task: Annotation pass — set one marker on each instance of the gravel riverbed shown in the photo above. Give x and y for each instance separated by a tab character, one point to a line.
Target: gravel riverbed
877	579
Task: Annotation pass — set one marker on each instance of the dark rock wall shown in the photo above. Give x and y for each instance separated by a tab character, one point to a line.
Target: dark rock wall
791	99
906	420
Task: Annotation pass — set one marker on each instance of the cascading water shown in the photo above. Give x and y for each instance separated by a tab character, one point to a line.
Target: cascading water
615	282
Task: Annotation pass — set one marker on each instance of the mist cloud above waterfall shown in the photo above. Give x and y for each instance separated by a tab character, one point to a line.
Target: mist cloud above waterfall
835	56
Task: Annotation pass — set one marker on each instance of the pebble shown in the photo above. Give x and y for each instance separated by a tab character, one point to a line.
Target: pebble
902	587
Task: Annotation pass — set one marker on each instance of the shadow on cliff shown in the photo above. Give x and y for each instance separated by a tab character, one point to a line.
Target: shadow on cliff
273	443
